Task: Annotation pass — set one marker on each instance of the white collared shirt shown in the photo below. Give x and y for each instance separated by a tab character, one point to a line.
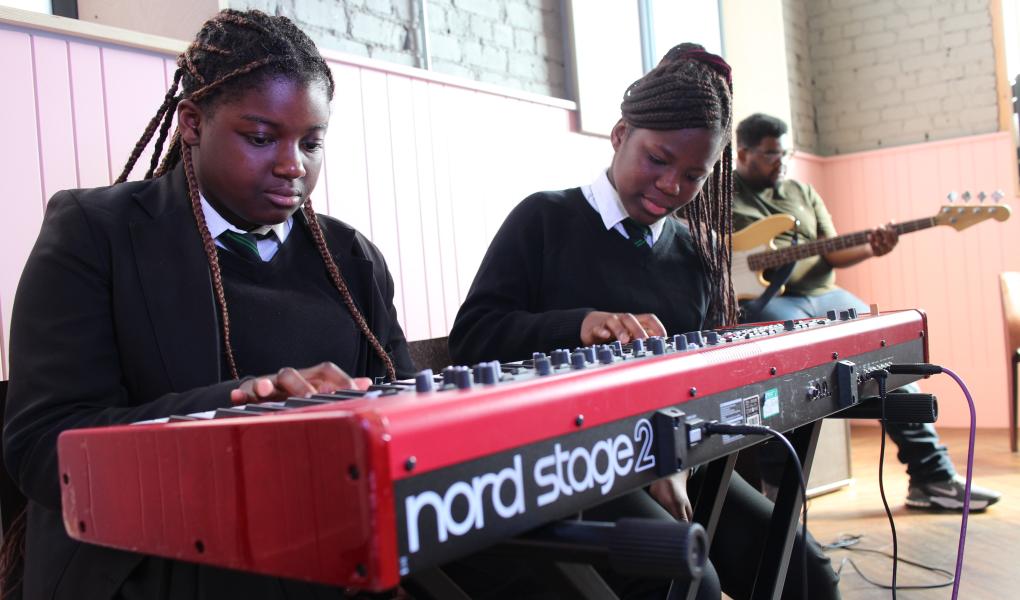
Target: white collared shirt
602	196
267	246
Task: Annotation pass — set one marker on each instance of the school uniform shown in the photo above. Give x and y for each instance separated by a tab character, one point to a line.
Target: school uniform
115	321
556	258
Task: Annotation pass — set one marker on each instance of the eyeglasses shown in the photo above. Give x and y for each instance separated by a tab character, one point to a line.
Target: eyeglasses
774	155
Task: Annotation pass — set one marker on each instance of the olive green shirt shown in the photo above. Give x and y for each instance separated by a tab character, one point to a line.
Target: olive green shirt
812	276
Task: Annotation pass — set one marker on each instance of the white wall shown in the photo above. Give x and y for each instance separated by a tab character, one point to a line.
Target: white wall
755	40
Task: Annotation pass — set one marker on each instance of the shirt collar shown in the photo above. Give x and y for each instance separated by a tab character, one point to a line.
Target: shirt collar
609	206
767	193
217	224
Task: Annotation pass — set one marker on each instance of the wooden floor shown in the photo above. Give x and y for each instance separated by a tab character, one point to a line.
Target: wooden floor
993	538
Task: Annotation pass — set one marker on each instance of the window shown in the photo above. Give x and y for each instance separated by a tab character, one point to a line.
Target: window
671	22
613	43
42	6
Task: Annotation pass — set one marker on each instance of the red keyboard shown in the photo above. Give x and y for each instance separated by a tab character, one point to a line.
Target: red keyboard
362	488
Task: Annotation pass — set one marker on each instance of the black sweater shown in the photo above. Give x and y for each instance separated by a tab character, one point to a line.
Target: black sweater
286	311
553	261
115	321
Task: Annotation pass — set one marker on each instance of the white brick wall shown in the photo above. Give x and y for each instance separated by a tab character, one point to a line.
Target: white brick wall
889	72
516	43
798	59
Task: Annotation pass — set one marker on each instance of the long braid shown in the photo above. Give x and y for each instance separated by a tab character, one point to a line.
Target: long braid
172	157
234	52
691	89
170	110
341	286
212	256
166	114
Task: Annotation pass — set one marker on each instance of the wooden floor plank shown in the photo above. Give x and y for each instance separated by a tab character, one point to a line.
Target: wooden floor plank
992	538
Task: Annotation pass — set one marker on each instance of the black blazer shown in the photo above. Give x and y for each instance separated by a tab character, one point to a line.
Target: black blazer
115	321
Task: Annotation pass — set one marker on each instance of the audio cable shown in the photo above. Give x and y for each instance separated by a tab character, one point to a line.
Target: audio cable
925	370
849	543
723	428
881	375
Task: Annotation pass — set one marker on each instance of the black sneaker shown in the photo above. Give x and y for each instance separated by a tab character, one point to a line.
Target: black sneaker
948	495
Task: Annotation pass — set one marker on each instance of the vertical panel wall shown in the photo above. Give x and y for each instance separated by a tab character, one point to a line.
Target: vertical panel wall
952	275
426	166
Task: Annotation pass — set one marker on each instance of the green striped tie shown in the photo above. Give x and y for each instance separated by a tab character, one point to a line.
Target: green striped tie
242	244
638	234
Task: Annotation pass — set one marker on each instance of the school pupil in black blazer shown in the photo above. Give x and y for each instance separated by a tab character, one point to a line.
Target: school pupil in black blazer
611	261
134	304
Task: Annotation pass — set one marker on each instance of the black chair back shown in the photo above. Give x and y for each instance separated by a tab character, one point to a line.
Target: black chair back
12	521
12	502
430	354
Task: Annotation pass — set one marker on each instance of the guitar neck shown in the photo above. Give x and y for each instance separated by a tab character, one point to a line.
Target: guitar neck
774	258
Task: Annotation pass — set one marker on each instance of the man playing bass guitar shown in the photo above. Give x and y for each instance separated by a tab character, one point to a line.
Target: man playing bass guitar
761	191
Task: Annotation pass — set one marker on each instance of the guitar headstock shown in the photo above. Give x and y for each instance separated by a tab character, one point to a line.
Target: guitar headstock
962	216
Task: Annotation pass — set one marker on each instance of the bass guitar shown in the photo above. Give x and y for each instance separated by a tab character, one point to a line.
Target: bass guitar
755	252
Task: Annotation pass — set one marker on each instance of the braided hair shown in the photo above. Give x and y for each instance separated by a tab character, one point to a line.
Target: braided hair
692	89
234	52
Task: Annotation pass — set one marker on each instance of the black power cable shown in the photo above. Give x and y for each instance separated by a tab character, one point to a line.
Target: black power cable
848	542
714	427
880	376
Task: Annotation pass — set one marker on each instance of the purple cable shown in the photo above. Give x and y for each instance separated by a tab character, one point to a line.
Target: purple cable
970	471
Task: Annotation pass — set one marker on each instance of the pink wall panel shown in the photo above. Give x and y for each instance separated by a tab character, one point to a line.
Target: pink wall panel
133	88
379	163
446	269
431	250
403	133
56	127
89	109
951	275
428	170
471	181
404	163
345	179
22	209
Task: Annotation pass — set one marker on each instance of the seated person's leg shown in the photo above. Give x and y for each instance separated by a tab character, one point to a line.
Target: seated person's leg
919	448
740	535
934	483
492	576
641	505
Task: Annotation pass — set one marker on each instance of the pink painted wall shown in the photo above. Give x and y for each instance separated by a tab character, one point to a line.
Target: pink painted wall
428	166
952	275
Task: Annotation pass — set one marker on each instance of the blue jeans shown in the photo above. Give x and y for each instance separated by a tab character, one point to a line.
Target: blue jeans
918	443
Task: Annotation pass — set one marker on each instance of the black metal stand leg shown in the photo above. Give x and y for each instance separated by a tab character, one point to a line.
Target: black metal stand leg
433	584
1016	407
707	507
576	581
775	558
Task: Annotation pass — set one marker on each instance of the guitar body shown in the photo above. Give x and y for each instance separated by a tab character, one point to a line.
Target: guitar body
756	237
754	244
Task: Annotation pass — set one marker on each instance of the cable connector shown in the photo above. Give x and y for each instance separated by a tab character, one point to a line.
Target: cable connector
880	375
877	375
724	428
924	369
695	431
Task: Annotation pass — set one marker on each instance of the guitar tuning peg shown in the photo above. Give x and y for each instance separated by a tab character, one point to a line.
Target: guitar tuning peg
997	196
966	196
981	196
951	196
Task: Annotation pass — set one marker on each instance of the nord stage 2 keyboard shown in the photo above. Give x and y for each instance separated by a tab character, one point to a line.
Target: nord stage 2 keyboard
362	488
